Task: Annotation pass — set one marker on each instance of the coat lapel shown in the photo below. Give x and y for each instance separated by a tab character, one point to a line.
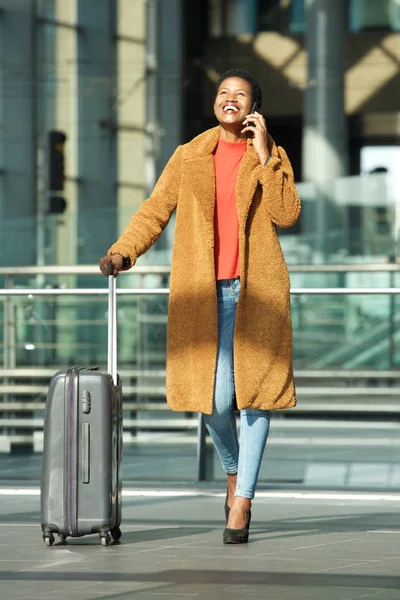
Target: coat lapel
199	165
246	184
201	175
247	179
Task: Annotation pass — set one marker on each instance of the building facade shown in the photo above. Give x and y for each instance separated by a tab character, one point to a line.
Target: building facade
91	72
331	83
126	81
267	37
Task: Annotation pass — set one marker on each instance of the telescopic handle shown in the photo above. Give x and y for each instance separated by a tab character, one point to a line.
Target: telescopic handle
112	324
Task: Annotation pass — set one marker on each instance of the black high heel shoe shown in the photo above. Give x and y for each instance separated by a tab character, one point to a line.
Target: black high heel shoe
237	536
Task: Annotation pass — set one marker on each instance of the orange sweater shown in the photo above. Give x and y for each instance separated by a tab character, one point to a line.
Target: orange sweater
227	159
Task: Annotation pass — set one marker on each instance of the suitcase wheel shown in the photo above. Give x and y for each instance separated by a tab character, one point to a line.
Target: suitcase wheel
48	539
105	539
116	534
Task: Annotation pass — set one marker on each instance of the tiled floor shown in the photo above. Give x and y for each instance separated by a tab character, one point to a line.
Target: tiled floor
339	545
336	547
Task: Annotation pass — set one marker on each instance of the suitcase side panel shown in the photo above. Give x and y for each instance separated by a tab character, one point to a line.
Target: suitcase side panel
119	450
97	464
53	492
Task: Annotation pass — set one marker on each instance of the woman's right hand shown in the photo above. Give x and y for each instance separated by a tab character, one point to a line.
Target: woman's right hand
117	261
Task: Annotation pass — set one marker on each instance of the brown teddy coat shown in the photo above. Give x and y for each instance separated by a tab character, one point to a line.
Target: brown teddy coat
266	197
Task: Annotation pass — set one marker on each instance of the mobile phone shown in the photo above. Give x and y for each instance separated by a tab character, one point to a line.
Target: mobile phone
254	108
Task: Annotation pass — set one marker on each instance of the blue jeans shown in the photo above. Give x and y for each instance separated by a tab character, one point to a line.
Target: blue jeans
244	459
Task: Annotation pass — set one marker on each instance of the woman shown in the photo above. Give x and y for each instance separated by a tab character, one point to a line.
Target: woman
229	330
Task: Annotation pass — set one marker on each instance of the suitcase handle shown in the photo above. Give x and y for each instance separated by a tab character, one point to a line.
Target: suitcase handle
112	324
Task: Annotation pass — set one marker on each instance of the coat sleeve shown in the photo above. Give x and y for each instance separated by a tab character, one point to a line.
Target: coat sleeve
279	190
147	224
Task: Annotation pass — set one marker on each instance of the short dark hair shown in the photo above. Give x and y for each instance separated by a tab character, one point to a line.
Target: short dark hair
256	92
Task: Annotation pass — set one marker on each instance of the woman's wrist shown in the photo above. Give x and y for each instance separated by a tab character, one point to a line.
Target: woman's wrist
264	157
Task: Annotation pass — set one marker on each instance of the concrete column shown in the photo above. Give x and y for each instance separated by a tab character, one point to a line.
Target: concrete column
325	155
171	84
164	133
325	135
164	97
65	117
18	131
171	77
2	90
66	120
153	89
97	220
131	108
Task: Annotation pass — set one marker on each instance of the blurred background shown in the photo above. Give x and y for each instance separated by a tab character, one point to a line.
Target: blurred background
95	95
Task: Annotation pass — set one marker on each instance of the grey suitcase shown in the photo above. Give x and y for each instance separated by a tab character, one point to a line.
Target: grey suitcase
81	483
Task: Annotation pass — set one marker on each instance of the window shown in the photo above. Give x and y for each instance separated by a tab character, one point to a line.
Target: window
269	15
235	17
232	17
373	15
297	16
278	15
46	9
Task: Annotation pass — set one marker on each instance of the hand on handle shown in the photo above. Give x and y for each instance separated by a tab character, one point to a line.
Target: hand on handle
116	260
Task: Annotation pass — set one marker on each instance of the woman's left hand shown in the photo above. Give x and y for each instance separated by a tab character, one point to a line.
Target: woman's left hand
255	123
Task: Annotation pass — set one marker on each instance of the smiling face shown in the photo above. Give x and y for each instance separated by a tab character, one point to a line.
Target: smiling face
233	101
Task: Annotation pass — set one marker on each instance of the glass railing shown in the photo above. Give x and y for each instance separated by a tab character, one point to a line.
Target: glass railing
347	331
343	331
349	220
60	329
331	330
346	358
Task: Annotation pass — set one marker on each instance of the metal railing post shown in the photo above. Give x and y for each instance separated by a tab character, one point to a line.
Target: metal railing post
205	453
201	449
9	335
6	335
392	325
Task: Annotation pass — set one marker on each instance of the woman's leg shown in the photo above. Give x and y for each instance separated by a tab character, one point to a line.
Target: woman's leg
221	424
254	428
